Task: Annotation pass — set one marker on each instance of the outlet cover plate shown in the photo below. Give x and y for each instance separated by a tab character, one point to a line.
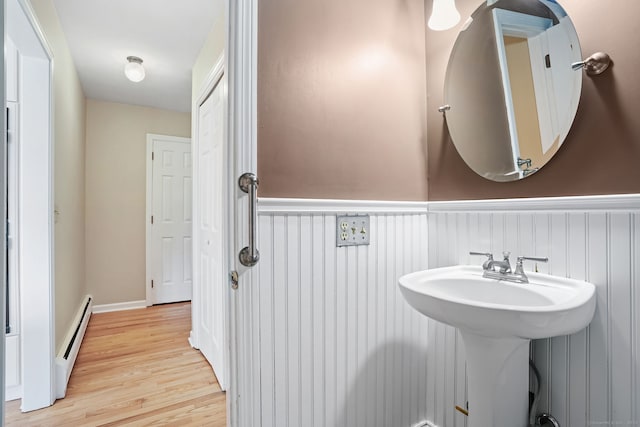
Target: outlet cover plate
352	230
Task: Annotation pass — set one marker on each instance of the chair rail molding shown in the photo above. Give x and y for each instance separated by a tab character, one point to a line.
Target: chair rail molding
319	206
608	202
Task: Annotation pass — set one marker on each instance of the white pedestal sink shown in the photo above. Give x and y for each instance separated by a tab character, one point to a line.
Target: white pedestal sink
497	319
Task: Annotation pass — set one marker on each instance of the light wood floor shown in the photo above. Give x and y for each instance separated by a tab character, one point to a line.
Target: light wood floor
135	368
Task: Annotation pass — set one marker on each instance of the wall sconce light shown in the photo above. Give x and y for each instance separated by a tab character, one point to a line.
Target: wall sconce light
134	69
444	15
593	65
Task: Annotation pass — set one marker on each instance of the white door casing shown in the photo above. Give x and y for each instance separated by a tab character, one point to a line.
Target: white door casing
211	230
169	222
2	217
35	180
241	68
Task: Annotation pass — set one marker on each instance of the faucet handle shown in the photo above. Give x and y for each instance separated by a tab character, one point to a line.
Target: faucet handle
532	258
520	259
506	255
489	255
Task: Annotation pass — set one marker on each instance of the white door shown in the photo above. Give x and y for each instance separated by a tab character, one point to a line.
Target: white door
34	197
170	219
212	274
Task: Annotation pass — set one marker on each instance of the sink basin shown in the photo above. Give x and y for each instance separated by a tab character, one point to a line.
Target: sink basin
497	319
547	306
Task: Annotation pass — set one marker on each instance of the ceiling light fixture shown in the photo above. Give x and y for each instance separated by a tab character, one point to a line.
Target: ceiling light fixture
444	15
134	69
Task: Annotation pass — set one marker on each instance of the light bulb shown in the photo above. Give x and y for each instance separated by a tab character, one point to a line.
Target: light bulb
134	69
444	15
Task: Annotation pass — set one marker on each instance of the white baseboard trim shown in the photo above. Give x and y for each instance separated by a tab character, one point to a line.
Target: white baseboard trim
119	306
72	341
192	340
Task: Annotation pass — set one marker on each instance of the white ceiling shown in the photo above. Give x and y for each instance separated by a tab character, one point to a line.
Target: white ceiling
166	34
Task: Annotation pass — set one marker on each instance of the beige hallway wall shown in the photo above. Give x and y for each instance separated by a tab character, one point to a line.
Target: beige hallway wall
69	170
115	195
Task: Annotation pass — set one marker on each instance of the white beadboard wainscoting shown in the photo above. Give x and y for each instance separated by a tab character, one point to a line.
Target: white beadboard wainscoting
591	378
332	341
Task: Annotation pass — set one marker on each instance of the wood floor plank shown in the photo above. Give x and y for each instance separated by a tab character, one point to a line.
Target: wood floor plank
135	368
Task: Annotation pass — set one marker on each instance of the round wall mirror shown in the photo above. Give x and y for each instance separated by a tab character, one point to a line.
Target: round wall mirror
510	90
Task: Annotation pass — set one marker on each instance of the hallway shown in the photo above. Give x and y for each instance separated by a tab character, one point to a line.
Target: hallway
135	367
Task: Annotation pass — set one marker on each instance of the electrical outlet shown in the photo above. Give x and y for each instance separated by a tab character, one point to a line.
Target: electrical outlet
352	230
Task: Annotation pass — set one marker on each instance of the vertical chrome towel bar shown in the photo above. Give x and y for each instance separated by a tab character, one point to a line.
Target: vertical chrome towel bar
249	255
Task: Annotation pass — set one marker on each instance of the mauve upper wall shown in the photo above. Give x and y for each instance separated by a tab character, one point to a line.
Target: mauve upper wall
601	153
342	99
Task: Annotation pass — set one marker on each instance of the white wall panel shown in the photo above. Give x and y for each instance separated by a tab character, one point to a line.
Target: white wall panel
620	326
578	343
590	378
598	409
331	340
635	268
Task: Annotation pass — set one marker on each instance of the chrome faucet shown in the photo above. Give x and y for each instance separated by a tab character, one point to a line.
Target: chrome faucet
504	267
524	162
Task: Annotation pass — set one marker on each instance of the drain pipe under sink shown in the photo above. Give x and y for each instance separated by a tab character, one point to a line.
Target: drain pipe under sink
542	419
546	420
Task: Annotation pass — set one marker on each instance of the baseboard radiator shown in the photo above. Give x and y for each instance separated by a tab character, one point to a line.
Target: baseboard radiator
66	358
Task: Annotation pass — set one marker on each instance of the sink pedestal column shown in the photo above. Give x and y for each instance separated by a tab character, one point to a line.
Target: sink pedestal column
498	380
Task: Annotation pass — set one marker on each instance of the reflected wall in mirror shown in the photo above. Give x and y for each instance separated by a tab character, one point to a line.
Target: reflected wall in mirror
510	88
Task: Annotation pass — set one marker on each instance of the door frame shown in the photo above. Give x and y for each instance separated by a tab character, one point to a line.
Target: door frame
241	65
215	77
151	137
36	250
3	216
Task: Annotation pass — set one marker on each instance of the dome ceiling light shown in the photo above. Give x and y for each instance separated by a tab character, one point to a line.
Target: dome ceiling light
134	69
